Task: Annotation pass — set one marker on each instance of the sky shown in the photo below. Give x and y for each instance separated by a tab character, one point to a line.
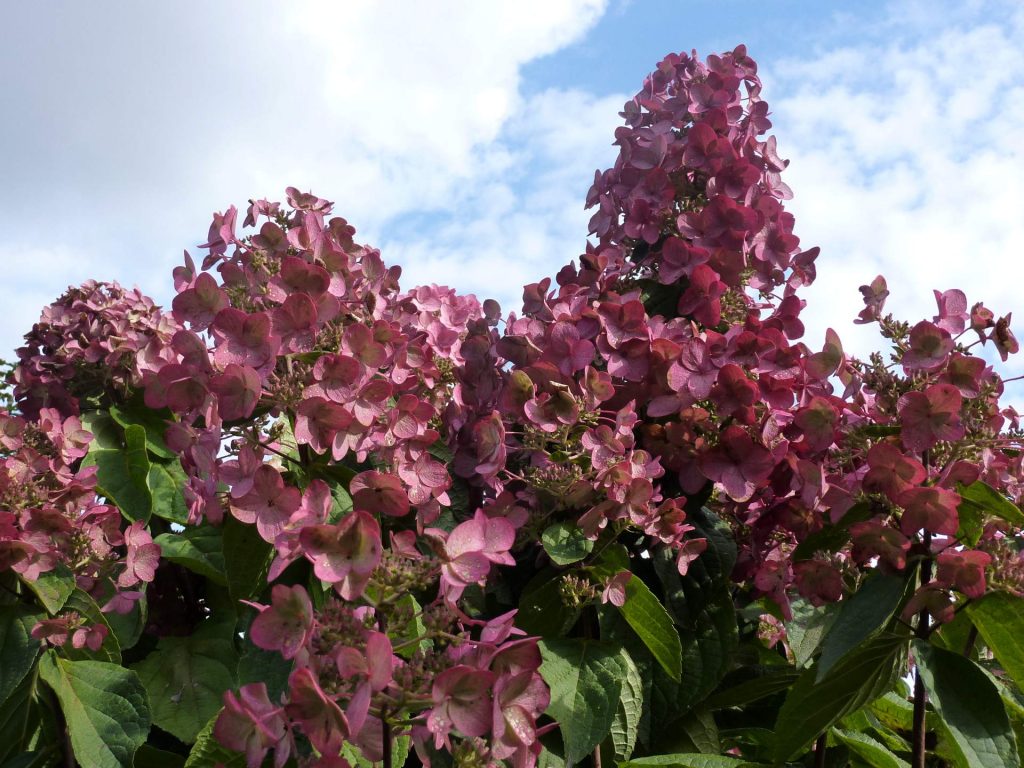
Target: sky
461	137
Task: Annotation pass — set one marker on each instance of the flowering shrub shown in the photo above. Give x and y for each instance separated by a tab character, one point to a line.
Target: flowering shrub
307	518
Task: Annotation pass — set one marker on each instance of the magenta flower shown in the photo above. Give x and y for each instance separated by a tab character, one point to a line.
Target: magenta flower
249	723
874	539
891	471
244	339
930	416
380	493
344	554
519	700
318	421
462	700
269	504
470	549
238	390
738	463
200	302
321	719
952	315
931	508
929	348
615	589
963	570
285	625
874	301
823	364
142	558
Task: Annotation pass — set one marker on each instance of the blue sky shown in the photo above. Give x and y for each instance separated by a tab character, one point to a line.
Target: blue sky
461	137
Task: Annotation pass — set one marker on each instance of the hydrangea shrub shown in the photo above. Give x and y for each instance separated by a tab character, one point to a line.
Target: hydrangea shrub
304	517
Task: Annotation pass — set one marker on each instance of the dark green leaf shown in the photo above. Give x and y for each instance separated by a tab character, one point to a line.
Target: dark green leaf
18	649
773	681
625	726
692	760
105	431
541	610
969	705
871	751
652	624
127	627
862	615
256	665
585	678
808	628
992	501
246	559
153	422
104	706
186	678
167	481
123	475
200	549
53	588
999	618
858	678
566	543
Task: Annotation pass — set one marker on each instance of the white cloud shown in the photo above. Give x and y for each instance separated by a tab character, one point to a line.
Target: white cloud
906	161
135	121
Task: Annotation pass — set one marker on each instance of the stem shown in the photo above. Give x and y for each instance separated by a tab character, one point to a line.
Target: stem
920	696
597	756
386	726
819	751
971	637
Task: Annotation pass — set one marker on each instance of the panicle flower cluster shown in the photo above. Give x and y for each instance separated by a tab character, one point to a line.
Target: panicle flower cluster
454	689
95	341
53	523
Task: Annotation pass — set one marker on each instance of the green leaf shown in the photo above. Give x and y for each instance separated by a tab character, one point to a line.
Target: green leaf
200	549
585	678
246	559
341	503
206	752
872	752
861	616
104	706
969	705
773	681
690	760
256	665
859	678
399	754
53	588
127	627
992	502
808	628
999	618
625	726
186	678
105	431
167	481
18	649
123	475
566	543
541	610
153	422
652	624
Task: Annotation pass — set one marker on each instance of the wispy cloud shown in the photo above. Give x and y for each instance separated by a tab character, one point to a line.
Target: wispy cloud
906	161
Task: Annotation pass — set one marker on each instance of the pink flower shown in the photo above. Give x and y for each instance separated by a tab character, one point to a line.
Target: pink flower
931	508
470	549
738	463
142	558
929	348
874	539
379	492
930	416
462	699
321	719
249	723
952	315
269	504
238	390
891	471
818	581
519	699
244	339
286	624
615	589
963	570
344	554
